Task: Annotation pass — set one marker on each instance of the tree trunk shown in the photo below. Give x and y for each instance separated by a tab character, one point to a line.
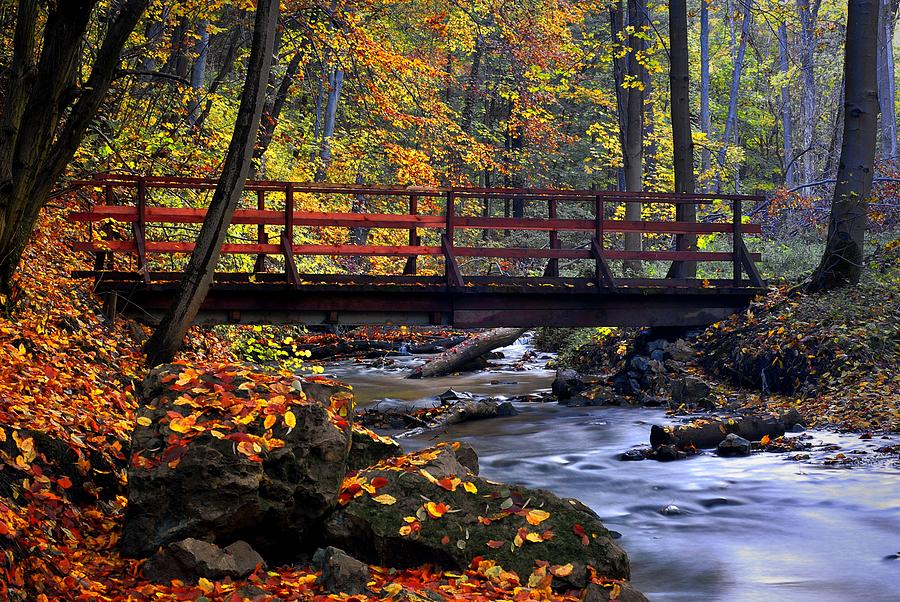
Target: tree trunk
272	113
705	120
198	275
731	120
468	350
616	21
198	71
886	87
335	83
35	143
634	126
808	14
787	126
842	261
683	144
471	91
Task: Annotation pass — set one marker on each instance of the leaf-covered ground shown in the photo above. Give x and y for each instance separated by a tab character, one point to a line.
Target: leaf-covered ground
834	357
67	407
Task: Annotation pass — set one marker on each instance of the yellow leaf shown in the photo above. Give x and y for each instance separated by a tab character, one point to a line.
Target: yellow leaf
385	499
470	487
144	421
269	422
289	419
536	517
563	570
534	537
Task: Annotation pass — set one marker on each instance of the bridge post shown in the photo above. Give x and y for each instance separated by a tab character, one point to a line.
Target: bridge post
261	238
139	229
552	270
287	236
737	241
410	268
451	268
602	274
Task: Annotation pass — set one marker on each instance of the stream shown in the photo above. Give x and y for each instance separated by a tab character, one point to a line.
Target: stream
763	527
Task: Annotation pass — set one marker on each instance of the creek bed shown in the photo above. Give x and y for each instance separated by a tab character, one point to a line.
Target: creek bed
764	527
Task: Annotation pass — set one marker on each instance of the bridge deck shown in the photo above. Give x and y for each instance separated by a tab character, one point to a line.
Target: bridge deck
138	272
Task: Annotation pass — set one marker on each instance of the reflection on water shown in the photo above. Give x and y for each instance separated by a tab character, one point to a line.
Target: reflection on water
757	528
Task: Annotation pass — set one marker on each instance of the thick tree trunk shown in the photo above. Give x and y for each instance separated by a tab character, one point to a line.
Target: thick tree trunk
198	275
683	144
705	120
809	14
886	85
842	261
787	125
468	350
731	120
35	143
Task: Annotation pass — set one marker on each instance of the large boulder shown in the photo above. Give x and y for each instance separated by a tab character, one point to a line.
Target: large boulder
223	452
427	507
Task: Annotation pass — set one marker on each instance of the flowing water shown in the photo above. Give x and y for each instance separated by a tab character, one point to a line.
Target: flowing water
763	527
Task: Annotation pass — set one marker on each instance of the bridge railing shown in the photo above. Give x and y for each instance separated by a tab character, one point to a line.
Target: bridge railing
436	214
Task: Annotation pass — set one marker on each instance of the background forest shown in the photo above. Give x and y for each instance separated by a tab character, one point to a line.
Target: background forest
540	93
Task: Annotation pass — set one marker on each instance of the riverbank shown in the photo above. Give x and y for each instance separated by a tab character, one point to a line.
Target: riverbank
70	399
833	357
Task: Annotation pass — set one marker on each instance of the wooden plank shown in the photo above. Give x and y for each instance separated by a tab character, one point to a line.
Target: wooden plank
124	246
454	276
402	221
604	274
290	265
175	182
749	263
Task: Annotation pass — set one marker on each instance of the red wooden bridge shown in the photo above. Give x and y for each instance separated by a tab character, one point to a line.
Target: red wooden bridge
466	262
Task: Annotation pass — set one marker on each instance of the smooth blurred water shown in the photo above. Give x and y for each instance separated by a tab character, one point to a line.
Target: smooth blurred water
757	528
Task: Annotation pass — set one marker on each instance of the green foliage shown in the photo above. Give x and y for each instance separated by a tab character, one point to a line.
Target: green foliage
269	345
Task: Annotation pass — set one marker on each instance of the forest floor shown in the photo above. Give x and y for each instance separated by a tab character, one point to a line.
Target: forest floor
69	383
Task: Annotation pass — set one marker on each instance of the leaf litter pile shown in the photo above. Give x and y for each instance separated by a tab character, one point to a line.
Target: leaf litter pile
833	356
68	404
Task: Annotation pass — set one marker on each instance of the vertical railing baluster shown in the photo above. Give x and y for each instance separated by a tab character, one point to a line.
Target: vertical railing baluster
261	237
139	229
410	268
287	236
451	268
553	264
736	241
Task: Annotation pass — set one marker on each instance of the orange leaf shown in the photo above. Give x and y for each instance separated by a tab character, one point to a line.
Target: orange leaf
436	510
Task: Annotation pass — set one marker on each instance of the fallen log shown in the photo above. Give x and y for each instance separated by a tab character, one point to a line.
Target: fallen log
709	433
364	346
455	357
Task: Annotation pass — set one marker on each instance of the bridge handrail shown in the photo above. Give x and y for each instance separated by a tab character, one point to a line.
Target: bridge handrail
139	215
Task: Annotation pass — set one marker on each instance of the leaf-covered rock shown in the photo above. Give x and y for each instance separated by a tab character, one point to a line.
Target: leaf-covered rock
225	452
427	507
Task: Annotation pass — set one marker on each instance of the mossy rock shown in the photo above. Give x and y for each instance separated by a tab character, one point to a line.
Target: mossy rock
426	507
367	448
